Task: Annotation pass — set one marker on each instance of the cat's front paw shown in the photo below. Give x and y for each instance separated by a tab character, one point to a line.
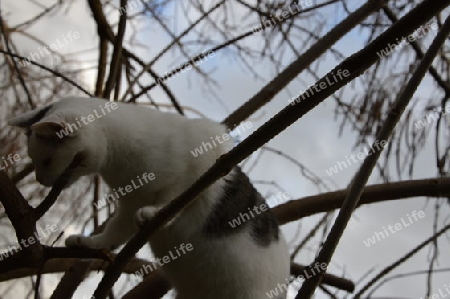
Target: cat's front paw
144	214
80	241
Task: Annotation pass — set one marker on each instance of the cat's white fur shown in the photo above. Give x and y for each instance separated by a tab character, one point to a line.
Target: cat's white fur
130	141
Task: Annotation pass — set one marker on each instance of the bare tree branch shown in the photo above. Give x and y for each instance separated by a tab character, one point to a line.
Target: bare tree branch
326	202
401	261
355	65
362	176
116	59
301	63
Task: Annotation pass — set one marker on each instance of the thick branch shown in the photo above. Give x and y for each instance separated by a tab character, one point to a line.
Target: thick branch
23	218
154	286
326	202
21	215
21	260
58	265
29	168
72	279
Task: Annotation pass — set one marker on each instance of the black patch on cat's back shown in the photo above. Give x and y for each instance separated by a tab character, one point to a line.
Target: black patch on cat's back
237	202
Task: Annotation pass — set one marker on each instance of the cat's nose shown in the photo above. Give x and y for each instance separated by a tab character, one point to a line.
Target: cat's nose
44	180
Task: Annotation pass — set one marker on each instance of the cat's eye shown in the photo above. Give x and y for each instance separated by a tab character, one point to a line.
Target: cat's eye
47	162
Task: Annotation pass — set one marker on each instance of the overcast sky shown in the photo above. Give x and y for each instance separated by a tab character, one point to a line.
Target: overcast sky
313	141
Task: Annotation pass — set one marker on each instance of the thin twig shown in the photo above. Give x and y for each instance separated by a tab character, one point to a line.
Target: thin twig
400	261
59	185
116	59
105	29
53	72
101	69
277	84
168	47
16	67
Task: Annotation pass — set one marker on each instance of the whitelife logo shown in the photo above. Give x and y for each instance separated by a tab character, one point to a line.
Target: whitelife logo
221	139
297	281
24	243
246	216
417	34
299	6
360	156
185	67
322	85
165	259
73	127
9	161
432	117
48	50
378	236
109	198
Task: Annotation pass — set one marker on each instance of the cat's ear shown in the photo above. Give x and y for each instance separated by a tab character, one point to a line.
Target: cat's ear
53	126
45	126
27	119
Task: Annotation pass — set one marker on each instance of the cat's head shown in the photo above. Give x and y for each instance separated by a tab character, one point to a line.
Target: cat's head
54	138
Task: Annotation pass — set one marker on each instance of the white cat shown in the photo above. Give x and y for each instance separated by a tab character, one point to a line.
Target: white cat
122	142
